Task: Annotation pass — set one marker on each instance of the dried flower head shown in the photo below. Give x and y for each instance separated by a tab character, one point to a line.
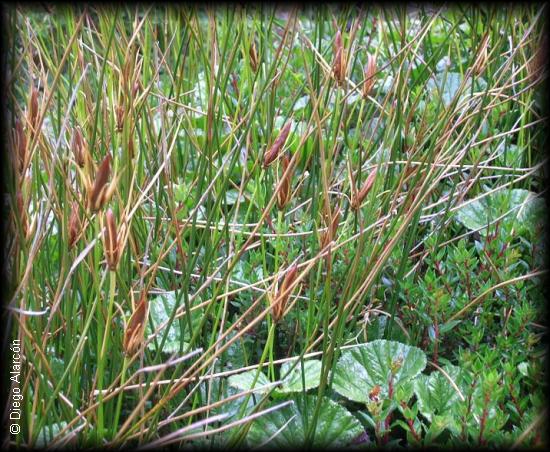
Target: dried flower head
99	192
79	148
481	60
273	152
112	253
135	329
33	108
339	65
281	299
369	71
253	56
21	145
119	117
22	213
74	224
357	197
285	188
332	226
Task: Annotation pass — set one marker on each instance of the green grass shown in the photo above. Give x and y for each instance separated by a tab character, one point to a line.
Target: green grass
187	102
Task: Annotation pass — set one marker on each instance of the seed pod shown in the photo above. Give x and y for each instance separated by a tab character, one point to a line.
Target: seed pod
339	64
22	211
21	145
332	226
98	193
285	189
253	56
279	303
133	336
273	152
111	241
79	148
136	88
358	198
74	224
33	108
119	117
481	60
369	71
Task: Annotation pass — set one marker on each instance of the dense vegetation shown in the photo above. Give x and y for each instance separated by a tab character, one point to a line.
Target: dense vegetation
273	227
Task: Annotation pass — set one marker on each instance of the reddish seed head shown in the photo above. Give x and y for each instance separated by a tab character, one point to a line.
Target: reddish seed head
111	241
133	336
33	107
97	195
285	190
21	144
369	72
273	152
279	304
359	197
74	224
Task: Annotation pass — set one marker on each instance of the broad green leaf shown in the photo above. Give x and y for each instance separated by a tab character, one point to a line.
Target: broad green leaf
360	369
160	310
48	433
244	381
435	394
521	207
286	427
446	85
293	382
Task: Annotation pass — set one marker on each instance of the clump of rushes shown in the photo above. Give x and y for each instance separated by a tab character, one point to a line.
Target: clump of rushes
358	196
369	71
112	252
285	190
133	336
100	193
340	59
253	56
280	300
74	224
331	227
273	152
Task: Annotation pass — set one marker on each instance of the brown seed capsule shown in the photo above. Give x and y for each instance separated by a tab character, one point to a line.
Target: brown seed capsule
332	226
22	211
79	148
369	71
481	61
21	145
74	224
273	152
279	302
358	198
119	117
339	65
98	193
253	56
111	241
33	108
135	329
285	189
